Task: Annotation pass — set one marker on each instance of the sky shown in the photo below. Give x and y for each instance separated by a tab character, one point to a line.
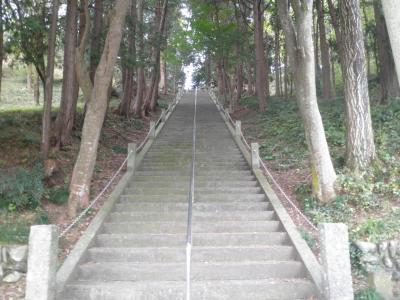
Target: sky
185	11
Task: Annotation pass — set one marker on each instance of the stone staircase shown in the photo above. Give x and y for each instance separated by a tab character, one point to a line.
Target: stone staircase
241	249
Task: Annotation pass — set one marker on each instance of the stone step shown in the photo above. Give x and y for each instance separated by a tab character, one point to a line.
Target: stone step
214	173
199	254
198	190
199	239
185	178
197	227
198	216
198	168
222	197
285	289
198	163
257	270
182	207
198	184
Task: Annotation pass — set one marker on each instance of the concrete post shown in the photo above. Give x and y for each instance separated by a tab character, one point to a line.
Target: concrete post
152	130
131	156
226	112
42	263
255	157
335	257
163	115
238	129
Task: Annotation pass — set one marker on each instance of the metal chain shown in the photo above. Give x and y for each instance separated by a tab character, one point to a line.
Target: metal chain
84	212
111	180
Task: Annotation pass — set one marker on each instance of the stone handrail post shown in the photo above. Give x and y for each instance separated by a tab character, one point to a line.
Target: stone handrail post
42	263
152	135
255	161
336	265
131	156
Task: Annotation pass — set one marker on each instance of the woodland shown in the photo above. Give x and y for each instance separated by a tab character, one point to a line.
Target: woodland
315	83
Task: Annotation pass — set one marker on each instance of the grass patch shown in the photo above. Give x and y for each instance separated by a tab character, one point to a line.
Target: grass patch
58	194
14	226
368	294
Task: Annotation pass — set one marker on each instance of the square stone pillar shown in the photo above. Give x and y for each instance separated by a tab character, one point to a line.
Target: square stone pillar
255	156
131	157
238	129
335	255
163	115
152	130
42	263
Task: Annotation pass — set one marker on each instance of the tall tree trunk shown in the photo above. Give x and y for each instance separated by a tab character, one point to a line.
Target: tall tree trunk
129	64
163	76
48	89
286	75
69	85
152	95
367	46
261	73
360	147
82	71
301	54
96	110
239	82
387	71
1	44
277	59
316	54
325	61
96	36
36	88
141	84
391	9
333	76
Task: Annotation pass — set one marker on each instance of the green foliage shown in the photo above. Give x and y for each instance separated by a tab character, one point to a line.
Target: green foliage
280	127
14	226
378	229
21	188
119	149
368	294
310	240
355	259
58	194
138	124
31	138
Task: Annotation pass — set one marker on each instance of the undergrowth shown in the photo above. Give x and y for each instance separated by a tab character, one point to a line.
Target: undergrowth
370	198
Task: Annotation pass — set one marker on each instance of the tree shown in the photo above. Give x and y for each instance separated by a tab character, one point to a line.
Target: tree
324	47
141	83
261	72
387	70
96	110
129	61
69	92
391	10
49	78
299	44
158	36
96	37
1	44
360	147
